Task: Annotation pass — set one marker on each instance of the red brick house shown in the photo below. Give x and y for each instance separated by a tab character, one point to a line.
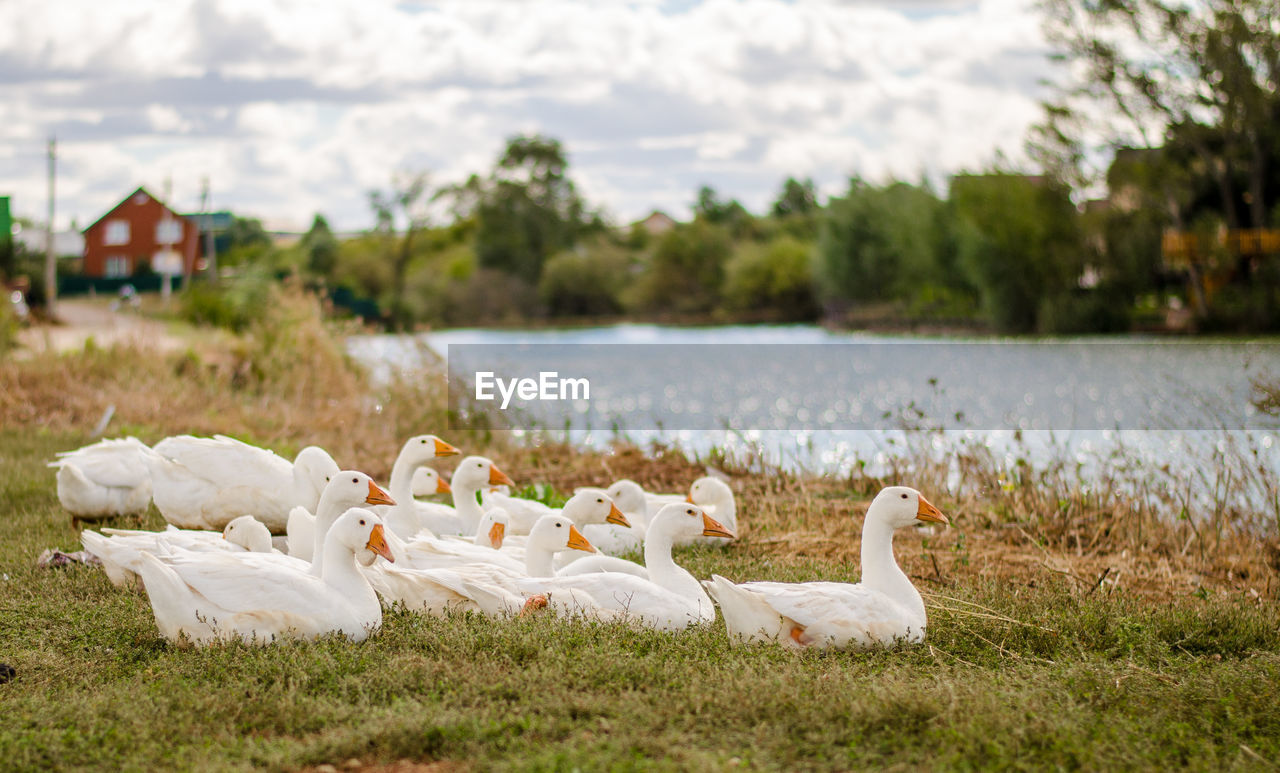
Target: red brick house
140	229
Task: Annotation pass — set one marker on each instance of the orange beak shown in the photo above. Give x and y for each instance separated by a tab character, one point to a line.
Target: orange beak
444	449
499	478
689	499
497	533
443	487
378	543
713	528
616	516
579	542
377	496
927	512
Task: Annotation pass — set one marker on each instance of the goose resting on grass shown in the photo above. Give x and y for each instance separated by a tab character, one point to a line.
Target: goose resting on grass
203	483
209	597
107	478
883	609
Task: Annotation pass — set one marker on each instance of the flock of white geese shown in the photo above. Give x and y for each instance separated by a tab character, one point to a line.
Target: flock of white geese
347	546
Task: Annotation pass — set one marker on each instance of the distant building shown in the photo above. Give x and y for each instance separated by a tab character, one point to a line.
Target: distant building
140	231
657	223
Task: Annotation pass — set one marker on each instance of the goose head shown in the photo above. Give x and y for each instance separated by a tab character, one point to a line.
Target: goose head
556	533
249	533
900	506
421	449
709	492
359	529
628	496
682	519
475	473
351	488
593	505
312	468
493	528
427	482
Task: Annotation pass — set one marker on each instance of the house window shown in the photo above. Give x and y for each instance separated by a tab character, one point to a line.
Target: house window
117	233
117	265
168	231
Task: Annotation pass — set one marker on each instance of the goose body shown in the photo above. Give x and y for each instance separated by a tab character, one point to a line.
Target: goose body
120	550
436	585
203	483
110	477
210	597
884	609
670	599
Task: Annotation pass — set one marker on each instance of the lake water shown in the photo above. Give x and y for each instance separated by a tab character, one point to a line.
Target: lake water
803	396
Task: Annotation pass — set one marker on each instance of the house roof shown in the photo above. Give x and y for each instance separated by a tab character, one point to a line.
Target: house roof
122	202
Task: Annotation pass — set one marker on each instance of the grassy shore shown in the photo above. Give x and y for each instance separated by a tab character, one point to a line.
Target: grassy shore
1068	629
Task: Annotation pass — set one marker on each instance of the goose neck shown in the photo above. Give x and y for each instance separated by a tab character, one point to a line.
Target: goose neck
539	561
880	570
340	572
464	502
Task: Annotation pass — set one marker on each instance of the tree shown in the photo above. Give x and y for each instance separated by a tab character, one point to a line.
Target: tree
528	209
774	280
687	269
1021	246
883	244
321	247
797	198
1201	76
730	214
406	201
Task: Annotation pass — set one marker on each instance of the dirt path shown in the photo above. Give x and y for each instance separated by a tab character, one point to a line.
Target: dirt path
83	319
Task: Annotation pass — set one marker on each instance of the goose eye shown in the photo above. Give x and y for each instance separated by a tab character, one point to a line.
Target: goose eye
423	441
690	512
326	478
558	525
904	496
479	464
362	522
601	501
355	480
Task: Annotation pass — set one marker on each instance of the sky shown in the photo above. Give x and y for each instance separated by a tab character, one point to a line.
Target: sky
293	108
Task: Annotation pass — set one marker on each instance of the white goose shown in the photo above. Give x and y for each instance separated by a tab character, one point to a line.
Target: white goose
715	496
209	597
121	550
107	478
670	600
409	516
444	586
427	483
471	475
663	534
884	609
121	553
203	483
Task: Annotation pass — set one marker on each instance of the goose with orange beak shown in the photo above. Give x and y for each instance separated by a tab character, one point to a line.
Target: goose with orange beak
883	610
207	597
472	474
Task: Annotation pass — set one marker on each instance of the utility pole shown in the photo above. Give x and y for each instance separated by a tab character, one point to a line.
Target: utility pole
166	275
50	259
210	250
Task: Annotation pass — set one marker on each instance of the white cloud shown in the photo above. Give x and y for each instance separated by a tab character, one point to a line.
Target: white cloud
292	107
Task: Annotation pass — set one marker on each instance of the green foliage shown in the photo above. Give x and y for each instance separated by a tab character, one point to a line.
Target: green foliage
585	282
246	242
797	198
881	243
233	305
320	247
687	269
528	210
730	214
1023	244
774	279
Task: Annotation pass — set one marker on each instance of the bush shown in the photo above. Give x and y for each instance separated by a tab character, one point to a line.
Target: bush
1085	311
776	277
584	283
687	270
234	305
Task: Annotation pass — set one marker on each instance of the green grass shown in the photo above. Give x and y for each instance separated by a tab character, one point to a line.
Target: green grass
1049	678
